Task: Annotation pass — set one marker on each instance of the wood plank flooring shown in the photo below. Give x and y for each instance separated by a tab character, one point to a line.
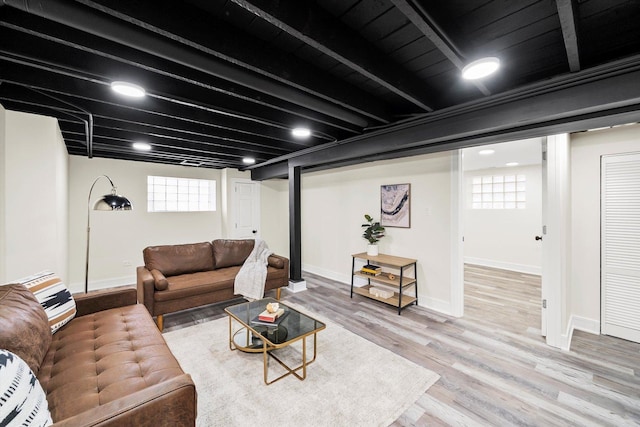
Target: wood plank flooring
495	367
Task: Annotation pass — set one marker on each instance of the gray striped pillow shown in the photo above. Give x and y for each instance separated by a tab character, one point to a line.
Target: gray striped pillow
22	400
54	297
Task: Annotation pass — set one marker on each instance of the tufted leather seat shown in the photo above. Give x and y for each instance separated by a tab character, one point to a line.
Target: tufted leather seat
103	357
109	366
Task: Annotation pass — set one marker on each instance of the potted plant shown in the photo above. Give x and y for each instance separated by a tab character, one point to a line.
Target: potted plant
373	232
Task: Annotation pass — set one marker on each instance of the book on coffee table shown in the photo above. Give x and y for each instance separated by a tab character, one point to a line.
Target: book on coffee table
260	320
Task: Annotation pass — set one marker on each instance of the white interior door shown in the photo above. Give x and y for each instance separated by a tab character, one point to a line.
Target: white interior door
620	246
555	233
246	209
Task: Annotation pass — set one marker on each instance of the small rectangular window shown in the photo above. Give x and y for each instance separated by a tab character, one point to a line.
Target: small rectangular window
499	192
171	194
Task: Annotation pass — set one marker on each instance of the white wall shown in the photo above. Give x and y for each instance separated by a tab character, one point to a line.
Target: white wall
3	194
118	238
504	238
274	221
34	187
586	150
333	204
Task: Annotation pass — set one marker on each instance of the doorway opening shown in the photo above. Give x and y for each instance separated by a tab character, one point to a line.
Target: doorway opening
502	222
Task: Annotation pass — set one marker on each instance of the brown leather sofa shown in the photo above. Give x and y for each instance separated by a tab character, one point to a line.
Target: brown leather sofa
178	277
109	366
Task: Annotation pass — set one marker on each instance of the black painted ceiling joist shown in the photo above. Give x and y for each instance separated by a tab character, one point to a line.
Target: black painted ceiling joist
213	35
246	103
420	18
84	19
566	13
155	111
590	94
316	28
230	79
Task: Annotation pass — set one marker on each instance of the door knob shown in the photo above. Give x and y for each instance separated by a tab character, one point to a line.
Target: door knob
538	237
254	231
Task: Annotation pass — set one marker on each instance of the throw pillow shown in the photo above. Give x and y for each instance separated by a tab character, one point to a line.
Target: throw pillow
24	326
54	297
23	401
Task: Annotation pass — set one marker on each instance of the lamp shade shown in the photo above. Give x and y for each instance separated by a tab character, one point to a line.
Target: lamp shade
112	202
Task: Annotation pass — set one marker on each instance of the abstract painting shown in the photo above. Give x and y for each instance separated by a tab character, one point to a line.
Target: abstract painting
395	203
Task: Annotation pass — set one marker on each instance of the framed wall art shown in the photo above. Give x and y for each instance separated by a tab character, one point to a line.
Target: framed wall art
395	205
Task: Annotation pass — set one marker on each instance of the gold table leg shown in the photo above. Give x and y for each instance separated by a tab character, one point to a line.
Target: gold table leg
267	352
291	371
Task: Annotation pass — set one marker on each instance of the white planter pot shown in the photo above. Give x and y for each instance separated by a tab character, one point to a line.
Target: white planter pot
372	250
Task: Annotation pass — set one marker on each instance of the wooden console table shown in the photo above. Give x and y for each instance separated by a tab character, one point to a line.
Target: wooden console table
401	282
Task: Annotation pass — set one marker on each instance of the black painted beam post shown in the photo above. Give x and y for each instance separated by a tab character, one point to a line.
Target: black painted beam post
295	233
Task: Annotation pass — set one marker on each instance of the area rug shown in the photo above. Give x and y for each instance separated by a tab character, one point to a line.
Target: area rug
353	382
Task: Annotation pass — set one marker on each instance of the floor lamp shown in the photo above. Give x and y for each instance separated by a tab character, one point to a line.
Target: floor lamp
108	202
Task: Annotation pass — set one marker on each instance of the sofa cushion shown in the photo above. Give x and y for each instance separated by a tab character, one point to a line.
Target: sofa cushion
172	260
53	296
102	357
23	401
24	326
228	253
187	285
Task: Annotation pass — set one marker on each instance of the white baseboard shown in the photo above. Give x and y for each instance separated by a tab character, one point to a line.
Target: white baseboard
435	304
342	278
522	268
104	284
579	323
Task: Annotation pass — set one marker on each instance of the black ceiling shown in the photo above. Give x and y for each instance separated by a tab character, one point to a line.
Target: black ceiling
230	79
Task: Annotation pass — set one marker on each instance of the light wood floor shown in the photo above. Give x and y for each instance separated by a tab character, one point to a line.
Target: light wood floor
495	367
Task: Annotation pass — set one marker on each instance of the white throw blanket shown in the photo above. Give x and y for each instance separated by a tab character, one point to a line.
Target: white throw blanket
252	276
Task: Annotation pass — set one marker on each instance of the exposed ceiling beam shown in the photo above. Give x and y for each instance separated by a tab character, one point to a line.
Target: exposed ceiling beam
560	105
216	37
318	29
568	23
278	117
421	19
102	102
82	18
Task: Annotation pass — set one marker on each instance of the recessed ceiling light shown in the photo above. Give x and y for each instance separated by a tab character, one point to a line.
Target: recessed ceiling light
142	146
481	68
301	132
486	152
248	160
512	164
128	89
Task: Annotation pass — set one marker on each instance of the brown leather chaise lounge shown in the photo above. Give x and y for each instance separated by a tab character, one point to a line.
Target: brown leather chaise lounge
178	277
109	366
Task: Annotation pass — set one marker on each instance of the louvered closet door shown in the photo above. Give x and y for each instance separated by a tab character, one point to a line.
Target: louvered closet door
620	228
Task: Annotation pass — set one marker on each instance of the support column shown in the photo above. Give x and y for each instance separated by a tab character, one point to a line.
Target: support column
296	283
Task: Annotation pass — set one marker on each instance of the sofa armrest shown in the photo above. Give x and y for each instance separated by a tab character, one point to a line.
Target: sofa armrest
105	299
159	281
146	288
170	403
278	261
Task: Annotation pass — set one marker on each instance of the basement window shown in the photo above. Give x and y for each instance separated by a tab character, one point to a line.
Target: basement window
499	192
171	194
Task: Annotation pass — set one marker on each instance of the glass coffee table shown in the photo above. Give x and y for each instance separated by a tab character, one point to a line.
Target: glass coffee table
251	337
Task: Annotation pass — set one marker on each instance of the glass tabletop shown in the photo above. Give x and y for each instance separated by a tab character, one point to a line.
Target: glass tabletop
292	326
